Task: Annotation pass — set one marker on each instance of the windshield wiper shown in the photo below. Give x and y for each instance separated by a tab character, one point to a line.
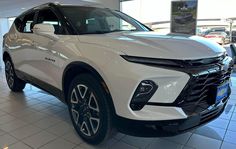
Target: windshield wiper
117	30
95	32
105	32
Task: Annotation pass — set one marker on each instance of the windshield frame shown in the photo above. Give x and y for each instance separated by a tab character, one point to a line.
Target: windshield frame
119	14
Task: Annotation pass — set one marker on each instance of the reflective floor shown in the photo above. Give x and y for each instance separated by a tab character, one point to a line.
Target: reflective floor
34	119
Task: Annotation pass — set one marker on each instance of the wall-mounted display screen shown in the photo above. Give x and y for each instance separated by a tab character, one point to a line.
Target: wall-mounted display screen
184	17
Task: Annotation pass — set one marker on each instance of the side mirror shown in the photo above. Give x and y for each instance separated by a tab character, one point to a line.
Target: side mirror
46	30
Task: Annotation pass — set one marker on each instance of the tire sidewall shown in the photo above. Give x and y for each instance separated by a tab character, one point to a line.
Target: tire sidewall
18	84
94	85
14	74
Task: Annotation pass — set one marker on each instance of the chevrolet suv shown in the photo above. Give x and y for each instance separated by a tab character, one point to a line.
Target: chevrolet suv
114	72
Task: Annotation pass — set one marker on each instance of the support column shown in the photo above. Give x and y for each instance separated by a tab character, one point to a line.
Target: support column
4	28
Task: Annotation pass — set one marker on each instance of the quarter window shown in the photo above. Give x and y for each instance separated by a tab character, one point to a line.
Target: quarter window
25	24
28	23
46	16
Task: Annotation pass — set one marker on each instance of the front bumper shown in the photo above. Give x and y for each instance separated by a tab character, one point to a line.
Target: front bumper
167	128
195	105
182	91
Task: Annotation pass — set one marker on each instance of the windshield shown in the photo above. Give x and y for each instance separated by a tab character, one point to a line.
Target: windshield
90	20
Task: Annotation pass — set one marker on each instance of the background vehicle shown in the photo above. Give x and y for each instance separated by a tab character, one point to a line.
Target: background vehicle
112	71
219	37
215	29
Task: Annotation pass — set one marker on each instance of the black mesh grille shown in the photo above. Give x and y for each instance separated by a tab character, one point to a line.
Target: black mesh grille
206	75
200	92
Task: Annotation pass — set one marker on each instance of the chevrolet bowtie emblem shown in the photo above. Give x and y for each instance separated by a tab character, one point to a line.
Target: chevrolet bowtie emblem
224	67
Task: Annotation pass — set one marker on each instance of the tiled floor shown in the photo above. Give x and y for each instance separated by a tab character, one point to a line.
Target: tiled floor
34	119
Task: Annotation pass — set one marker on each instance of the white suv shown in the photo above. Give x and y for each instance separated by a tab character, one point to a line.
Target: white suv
114	72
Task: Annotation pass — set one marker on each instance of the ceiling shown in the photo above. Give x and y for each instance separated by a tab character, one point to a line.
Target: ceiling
11	8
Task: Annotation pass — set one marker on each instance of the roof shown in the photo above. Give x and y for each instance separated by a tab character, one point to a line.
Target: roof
57	4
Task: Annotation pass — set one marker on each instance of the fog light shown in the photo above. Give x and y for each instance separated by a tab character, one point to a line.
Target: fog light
143	94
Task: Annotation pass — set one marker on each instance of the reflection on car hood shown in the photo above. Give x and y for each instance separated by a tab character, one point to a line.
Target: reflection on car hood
151	44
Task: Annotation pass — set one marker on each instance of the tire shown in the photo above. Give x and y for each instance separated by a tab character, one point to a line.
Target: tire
89	109
13	82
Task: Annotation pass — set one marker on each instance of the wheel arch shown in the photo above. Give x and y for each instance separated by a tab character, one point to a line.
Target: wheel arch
76	68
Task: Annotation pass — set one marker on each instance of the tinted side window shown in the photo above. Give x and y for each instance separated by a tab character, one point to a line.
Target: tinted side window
19	24
48	17
25	24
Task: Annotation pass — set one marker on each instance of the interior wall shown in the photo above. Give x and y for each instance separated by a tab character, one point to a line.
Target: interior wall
113	4
148	11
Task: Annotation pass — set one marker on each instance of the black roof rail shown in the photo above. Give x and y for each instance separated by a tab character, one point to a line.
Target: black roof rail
50	4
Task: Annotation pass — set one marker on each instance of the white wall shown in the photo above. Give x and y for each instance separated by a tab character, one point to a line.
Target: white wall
148	11
4	27
113	4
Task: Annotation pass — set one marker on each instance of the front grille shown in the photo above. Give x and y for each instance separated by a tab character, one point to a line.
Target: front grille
200	92
206	61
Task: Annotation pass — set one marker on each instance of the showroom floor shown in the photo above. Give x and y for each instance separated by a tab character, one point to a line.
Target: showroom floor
34	119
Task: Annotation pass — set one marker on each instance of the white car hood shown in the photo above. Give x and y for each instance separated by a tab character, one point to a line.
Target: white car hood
151	44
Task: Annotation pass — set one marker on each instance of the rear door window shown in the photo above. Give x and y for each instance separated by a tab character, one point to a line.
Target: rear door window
47	16
25	24
28	23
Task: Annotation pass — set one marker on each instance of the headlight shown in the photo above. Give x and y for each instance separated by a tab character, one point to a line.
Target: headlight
153	61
